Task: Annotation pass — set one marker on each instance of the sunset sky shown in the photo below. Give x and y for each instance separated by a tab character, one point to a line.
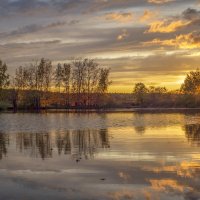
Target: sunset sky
152	41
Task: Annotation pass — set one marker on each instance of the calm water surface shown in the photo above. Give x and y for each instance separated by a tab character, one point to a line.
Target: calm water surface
114	156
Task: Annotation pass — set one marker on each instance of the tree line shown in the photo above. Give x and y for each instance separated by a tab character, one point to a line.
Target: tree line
82	82
187	96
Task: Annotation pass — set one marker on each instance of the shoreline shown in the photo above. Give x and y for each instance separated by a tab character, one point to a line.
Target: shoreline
108	110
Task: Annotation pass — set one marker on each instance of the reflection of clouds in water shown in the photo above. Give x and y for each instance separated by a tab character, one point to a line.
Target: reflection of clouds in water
173	181
159	189
140	168
183	169
124	194
167	185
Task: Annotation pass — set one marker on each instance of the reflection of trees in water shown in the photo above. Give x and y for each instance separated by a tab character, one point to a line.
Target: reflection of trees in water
4	142
37	144
80	143
139	123
192	132
140	129
63	142
76	143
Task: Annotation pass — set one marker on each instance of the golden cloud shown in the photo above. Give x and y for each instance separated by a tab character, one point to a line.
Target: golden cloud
187	41
166	26
119	17
160	1
148	15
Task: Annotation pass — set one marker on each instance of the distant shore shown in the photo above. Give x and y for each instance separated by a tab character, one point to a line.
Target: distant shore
109	110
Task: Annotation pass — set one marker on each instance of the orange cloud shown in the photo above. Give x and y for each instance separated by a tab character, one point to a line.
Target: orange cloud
160	1
120	17
148	15
187	41
166	26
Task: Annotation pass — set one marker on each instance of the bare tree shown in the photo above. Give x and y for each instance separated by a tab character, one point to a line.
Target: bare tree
66	81
78	80
104	80
32	84
4	78
19	84
92	78
58	77
140	92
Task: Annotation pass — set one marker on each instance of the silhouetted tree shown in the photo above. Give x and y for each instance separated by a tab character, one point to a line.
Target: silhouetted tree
4	78
104	80
66	81
156	96
78	80
103	84
58	77
191	83
39	78
87	80
19	84
190	89
83	79
91	79
140	92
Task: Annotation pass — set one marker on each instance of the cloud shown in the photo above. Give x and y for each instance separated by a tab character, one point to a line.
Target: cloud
182	41
123	35
147	15
166	26
103	29
119	17
191	14
160	1
32	28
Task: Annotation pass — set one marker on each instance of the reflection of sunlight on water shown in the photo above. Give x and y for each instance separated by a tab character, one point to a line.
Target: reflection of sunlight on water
129	156
161	143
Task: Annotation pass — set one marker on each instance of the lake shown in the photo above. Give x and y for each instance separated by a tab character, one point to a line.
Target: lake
87	156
